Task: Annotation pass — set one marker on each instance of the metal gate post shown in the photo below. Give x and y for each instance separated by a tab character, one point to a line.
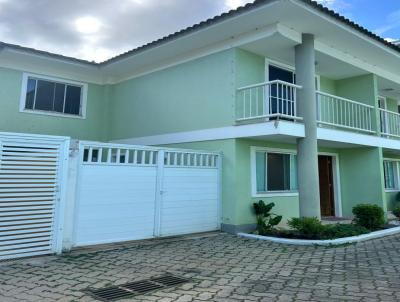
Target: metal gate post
159	193
61	196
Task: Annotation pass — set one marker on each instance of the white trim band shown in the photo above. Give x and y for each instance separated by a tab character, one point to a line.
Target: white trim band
242	131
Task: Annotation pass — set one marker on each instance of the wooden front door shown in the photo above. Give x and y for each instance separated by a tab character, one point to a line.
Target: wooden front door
326	186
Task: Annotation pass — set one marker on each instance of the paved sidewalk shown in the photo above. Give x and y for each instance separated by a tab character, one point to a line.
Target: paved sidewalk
221	267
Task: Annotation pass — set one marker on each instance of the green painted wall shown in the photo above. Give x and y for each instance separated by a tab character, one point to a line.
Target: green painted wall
249	68
195	95
391	104
327	85
392	200
362	181
362	89
94	127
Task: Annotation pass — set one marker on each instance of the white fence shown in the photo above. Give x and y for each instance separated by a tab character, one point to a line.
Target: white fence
344	113
129	192
32	189
267	100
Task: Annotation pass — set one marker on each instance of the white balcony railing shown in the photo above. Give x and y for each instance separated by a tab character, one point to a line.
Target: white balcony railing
390	123
267	100
344	113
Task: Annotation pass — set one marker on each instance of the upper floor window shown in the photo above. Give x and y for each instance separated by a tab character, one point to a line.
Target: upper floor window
53	96
285	74
276	73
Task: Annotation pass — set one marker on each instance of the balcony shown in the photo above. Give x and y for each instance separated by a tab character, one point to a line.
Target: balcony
267	101
344	113
277	100
390	123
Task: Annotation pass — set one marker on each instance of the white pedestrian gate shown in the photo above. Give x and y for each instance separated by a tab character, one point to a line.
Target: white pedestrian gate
127	192
32	175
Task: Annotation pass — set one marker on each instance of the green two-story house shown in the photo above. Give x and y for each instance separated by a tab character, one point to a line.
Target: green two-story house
302	102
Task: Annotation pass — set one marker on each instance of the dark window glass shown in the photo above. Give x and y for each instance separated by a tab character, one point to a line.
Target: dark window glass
59	98
280	96
73	100
278	172
44	95
52	96
276	73
30	94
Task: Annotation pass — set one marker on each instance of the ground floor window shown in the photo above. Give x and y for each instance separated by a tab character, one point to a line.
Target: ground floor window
274	171
390	169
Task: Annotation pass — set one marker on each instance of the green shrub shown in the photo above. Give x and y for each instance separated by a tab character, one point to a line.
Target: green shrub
333	231
307	227
369	216
266	221
396	212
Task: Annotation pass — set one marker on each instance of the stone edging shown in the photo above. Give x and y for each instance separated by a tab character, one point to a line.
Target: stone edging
353	239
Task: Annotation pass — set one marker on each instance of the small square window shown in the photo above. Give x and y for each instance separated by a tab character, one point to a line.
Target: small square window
275	172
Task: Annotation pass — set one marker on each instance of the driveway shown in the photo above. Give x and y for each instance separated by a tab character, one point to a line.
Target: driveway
221	267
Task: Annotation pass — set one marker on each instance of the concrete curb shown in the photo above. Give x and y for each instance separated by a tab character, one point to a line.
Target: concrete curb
339	241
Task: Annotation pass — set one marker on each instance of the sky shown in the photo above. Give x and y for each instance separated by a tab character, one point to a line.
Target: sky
96	30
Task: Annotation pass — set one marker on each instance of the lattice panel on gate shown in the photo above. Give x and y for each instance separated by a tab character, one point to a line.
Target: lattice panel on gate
28	194
106	154
185	159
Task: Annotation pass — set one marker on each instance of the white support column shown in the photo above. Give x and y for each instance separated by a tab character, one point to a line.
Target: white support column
307	147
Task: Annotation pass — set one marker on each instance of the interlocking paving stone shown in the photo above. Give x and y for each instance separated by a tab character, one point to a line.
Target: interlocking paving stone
221	268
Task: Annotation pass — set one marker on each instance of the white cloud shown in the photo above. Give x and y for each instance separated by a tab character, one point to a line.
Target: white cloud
233	4
97	30
326	2
87	25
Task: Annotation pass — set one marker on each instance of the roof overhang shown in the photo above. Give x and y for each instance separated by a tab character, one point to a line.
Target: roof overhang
259	27
277	24
48	65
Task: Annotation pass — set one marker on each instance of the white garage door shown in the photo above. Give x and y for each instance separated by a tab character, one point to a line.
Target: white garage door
32	177
129	192
190	197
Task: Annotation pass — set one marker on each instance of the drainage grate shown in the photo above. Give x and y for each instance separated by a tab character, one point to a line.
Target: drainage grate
169	280
113	293
142	287
109	293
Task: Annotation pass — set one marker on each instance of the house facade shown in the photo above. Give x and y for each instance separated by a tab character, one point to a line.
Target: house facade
302	103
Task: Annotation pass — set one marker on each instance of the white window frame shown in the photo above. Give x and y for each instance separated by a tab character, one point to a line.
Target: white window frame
254	192
287	67
396	174
26	76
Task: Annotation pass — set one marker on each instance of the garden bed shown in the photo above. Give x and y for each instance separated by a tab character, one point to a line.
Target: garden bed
369	222
326	242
